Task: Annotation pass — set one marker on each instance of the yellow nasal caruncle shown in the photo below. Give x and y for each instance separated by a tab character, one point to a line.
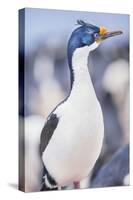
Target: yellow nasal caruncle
103	30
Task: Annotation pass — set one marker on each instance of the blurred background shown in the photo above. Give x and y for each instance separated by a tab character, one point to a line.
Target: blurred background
47	82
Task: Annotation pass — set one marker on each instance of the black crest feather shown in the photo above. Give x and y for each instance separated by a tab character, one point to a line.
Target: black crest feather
82	23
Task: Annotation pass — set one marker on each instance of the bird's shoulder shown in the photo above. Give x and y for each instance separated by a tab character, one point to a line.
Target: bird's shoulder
51	123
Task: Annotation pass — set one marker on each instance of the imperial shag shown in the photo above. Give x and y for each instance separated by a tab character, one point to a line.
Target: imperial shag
72	136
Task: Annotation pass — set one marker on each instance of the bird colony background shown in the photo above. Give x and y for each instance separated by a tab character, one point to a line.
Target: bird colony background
47	82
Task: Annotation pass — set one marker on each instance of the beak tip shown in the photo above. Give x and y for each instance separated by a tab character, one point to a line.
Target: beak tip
111	34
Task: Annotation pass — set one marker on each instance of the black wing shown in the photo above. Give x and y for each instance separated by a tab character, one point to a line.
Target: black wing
48	131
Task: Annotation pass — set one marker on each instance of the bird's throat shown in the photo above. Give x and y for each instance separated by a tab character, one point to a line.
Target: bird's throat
80	58
80	67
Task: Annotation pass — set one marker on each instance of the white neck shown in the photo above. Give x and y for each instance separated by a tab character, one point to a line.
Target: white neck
82	80
80	65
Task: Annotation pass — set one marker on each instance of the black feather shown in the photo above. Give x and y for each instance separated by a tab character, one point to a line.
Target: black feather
82	23
48	131
50	180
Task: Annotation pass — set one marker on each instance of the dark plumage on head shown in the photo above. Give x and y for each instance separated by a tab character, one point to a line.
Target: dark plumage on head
82	23
86	34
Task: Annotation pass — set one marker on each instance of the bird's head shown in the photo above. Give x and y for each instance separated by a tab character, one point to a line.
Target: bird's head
89	35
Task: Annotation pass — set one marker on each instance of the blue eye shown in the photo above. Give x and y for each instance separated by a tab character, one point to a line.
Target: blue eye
96	35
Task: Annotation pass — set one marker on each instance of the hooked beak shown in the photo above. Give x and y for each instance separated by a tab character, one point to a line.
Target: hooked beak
104	34
110	34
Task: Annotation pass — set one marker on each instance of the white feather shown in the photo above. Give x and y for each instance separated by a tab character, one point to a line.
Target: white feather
77	140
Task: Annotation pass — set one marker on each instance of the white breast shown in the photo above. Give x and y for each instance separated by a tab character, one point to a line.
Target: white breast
77	140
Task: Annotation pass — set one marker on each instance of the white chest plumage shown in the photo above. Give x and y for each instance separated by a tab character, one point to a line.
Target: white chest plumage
77	140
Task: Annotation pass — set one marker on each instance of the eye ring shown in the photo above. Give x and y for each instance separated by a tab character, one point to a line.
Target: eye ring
96	35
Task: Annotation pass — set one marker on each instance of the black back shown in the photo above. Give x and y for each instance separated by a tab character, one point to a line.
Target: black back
48	131
46	135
